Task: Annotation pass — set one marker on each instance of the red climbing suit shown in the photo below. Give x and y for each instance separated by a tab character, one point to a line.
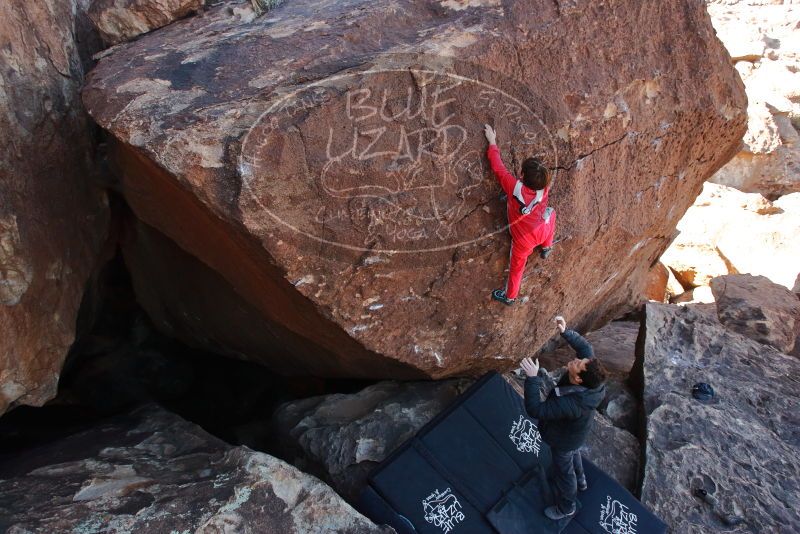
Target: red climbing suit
527	231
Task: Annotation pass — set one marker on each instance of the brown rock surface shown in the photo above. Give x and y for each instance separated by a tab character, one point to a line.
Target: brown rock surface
153	472
757	308
118	21
657	283
252	144
53	220
730	232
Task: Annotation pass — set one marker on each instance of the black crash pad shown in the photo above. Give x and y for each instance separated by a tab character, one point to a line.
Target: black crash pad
482	467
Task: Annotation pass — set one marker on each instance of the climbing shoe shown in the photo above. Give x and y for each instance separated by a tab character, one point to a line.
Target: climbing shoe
555	514
544	252
500	296
582	485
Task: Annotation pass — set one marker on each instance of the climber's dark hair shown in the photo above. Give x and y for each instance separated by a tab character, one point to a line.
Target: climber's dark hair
534	174
594	375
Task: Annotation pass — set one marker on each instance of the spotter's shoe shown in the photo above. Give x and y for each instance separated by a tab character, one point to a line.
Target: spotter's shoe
552	512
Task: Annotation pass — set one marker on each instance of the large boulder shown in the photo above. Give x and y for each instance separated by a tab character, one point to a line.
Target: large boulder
730	232
152	471
53	218
326	162
341	438
758	309
740	449
764	44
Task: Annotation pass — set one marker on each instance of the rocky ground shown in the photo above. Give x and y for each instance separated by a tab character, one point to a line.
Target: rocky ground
151	471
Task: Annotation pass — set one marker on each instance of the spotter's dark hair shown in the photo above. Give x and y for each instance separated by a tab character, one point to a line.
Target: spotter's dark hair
594	375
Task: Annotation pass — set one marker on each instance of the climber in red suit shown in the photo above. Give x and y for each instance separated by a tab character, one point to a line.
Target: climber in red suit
531	222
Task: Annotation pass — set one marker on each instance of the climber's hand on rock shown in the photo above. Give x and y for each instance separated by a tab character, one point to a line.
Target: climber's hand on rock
561	324
490	134
530	367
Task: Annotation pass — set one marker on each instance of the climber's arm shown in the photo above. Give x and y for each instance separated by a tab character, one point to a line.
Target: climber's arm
505	178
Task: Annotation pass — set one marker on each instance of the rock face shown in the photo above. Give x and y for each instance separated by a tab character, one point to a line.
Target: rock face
327	162
53	220
151	471
741	449
341	438
118	21
755	307
730	232
763	42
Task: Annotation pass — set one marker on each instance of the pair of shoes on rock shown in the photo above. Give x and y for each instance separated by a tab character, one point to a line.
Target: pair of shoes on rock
500	296
554	513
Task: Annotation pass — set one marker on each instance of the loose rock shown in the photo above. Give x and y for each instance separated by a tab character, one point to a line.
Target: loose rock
151	471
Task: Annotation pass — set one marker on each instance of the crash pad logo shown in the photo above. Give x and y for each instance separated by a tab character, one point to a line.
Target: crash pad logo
526	436
616	518
442	509
388	160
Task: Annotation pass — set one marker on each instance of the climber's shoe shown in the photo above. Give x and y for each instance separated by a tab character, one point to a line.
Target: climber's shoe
582	485
555	514
500	296
544	252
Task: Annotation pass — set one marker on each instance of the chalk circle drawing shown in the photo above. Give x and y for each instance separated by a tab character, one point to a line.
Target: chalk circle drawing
616	518
442	509
394	161
525	435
